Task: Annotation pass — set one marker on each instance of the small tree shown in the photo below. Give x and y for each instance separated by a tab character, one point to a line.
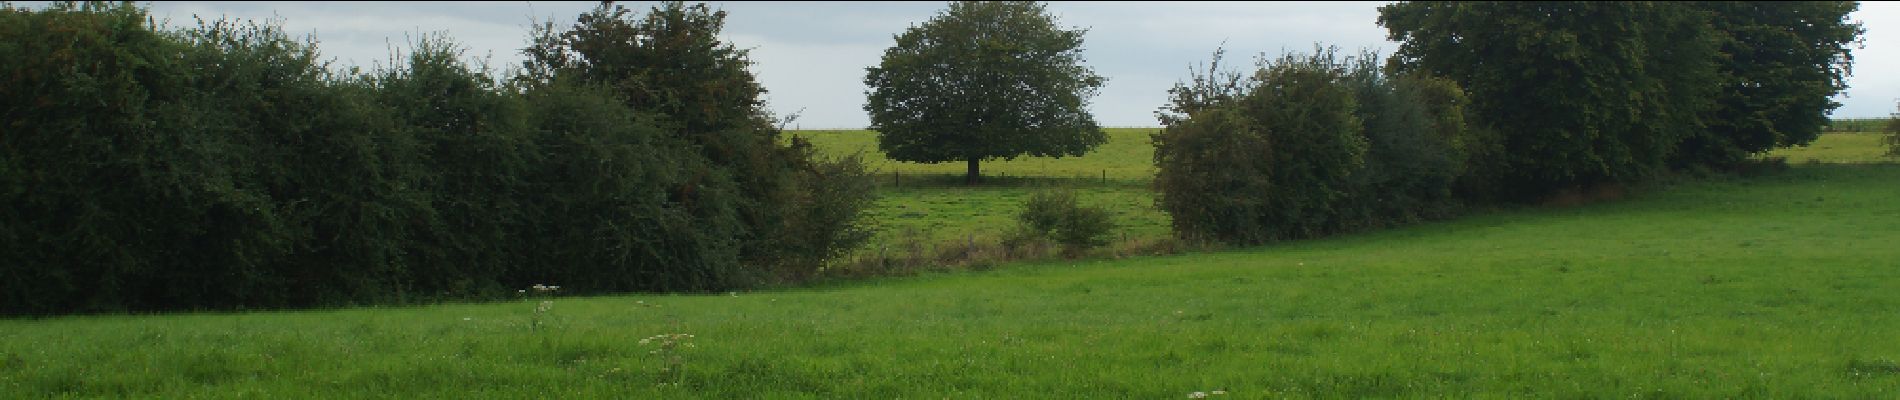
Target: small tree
1262	159
984	80
670	64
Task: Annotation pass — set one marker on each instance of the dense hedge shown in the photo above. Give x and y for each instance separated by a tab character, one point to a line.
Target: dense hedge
225	167
1496	101
1308	145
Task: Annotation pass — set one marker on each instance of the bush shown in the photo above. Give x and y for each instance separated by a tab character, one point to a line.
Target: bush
225	167
824	215
1057	216
469	167
1415	134
1311	145
1263	160
669	63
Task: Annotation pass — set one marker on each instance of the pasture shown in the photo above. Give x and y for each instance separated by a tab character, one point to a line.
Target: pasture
930	203
1779	286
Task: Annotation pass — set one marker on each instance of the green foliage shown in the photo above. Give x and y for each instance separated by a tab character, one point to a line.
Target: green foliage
225	167
1589	92
84	151
984	80
824	219
219	167
1416	136
1659	296
1260	160
339	170
1056	215
1781	64
1311	145
623	205
669	63
459	118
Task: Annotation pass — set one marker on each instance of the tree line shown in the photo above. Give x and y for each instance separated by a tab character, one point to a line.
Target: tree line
1495	102
224	166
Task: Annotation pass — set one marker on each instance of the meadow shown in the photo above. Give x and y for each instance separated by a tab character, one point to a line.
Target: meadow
929	203
1776	286
1856	147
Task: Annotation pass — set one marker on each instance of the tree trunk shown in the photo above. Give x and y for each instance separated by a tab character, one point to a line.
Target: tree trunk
973	176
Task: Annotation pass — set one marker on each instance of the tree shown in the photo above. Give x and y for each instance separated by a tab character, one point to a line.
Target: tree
1586	93
984	80
669	64
1266	159
1781	64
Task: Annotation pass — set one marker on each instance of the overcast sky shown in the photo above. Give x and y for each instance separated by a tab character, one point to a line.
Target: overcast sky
811	55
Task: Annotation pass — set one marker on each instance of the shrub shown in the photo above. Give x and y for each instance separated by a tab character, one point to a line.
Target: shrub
1260	160
825	212
225	167
1311	145
1601	96
1415	134
670	64
1057	216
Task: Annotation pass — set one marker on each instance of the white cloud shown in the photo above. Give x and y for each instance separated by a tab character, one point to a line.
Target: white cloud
1873	89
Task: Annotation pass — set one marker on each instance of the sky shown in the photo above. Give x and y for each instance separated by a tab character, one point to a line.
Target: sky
811	56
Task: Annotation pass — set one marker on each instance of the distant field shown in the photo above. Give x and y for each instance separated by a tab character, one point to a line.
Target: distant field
1774	287
930	203
1856	147
1127	158
1856	125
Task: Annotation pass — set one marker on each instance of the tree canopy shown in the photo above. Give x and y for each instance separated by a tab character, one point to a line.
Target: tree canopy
1585	93
1781	65
225	166
984	80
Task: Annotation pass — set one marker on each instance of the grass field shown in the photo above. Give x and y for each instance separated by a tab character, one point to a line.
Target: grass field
1857	147
1779	286
930	203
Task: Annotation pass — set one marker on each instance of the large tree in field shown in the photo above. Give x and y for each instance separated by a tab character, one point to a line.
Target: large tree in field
984	80
1782	63
1584	93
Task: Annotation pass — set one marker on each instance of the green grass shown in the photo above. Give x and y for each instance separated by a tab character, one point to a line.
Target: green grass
1856	147
1856	125
1780	286
929	202
1127	159
1773	287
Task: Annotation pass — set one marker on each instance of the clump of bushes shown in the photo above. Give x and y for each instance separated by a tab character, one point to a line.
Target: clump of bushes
1056	215
225	167
1308	145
